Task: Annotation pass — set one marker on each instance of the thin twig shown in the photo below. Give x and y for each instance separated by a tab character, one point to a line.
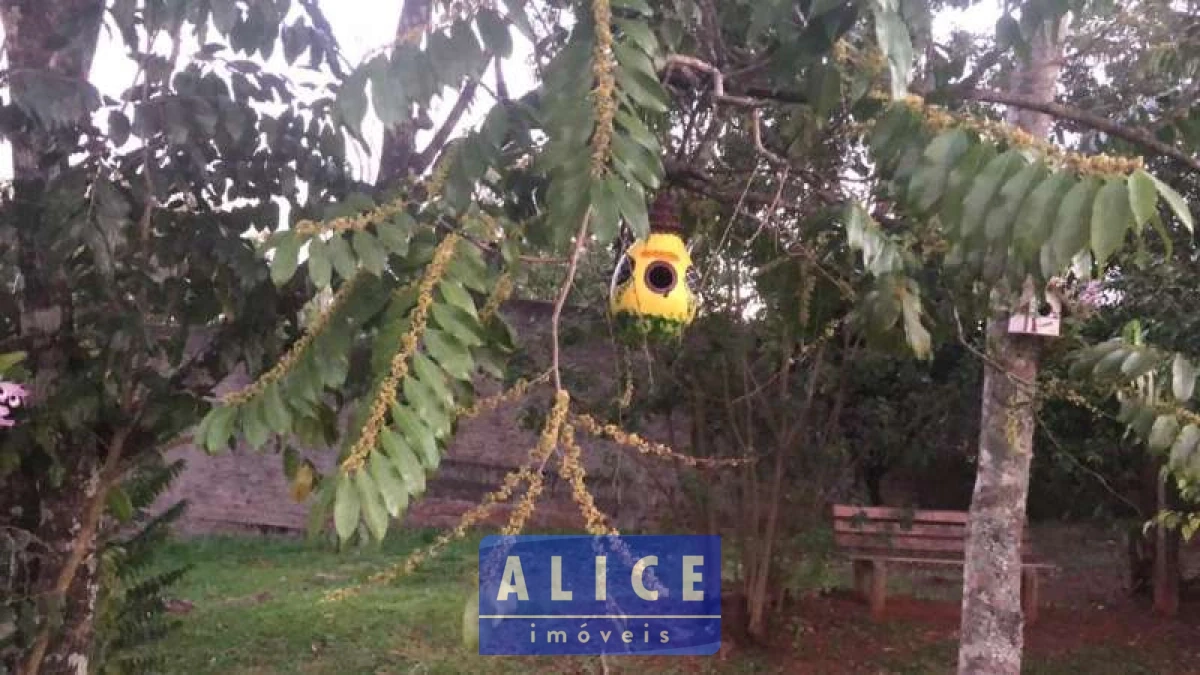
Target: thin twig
1094	474
756	134
563	292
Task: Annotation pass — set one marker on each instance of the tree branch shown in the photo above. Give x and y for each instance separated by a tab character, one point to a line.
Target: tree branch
426	156
1086	119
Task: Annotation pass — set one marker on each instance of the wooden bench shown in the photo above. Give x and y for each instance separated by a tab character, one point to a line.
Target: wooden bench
874	536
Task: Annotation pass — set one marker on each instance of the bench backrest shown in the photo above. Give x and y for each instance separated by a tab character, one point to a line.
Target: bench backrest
905	533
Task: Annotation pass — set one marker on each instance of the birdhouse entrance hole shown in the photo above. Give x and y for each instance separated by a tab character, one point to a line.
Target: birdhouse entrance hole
660	277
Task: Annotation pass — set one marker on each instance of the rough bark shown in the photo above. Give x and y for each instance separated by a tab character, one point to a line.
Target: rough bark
68	574
58	37
991	633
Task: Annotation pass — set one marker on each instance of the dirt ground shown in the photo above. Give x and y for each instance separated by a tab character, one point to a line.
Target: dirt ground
1089	623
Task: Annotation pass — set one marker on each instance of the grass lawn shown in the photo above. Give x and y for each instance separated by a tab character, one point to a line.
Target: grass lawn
255	607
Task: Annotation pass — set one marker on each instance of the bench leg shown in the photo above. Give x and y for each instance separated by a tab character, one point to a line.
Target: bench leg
862	578
878	588
1029	594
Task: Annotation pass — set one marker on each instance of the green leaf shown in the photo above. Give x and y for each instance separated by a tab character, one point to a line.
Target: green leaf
1177	203
345	507
1111	219
275	410
391	486
387	93
639	6
433	378
918	337
420	438
959	183
453	293
421	399
646	92
1142	423
1070	235
606	215
1008	35
457	323
218	425
1184	446
940	156
10	359
352	100
639	33
119	504
1111	363
1138	364
1038	214
644	167
286	258
253	424
629	56
639	132
494	31
1162	434
983	192
394	233
373	510
342	258
405	461
1143	197
118	128
1003	215
631	201
370	254
428	407
320	269
467	266
895	42
1183	379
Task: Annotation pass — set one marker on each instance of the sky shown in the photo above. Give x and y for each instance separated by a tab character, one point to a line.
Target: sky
362	26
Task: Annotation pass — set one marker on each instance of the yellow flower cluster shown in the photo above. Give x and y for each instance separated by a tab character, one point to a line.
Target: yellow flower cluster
869	58
358	222
513	393
525	474
441	171
500	294
575	473
386	397
289	360
938	118
604	95
541	454
650	448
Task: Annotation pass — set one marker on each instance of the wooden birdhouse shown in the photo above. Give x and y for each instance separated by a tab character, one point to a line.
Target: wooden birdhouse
652	293
1037	313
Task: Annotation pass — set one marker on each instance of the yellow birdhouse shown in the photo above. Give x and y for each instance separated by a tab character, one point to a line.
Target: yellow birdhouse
653	286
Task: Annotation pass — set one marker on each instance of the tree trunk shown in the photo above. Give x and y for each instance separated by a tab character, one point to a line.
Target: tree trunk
68	574
1167	569
58	38
991	634
400	141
